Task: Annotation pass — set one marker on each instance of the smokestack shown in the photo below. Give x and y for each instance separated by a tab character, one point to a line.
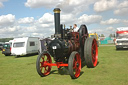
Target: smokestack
57	20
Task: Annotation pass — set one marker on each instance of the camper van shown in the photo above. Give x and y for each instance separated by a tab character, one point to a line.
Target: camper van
25	45
122	37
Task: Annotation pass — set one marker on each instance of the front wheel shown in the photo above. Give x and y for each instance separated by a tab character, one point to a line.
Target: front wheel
41	67
74	65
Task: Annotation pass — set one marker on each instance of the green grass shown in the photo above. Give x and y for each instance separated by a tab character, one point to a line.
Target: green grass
107	44
111	70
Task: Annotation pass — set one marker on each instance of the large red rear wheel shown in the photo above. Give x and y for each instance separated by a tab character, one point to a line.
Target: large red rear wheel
91	52
42	68
83	34
74	65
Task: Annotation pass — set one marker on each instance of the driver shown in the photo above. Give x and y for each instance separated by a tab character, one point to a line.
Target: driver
75	28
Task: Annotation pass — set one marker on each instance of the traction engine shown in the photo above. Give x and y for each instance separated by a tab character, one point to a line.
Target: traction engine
68	49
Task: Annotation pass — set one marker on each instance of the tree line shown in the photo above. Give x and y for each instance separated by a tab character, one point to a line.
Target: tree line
111	35
5	39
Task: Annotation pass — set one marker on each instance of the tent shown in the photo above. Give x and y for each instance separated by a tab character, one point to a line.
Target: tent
106	40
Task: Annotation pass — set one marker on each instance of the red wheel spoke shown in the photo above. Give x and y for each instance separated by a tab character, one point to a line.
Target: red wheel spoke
45	70
41	68
92	48
93	44
93	58
76	69
43	58
74	61
77	72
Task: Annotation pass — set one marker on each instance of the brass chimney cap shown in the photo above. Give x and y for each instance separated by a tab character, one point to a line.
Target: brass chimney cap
57	10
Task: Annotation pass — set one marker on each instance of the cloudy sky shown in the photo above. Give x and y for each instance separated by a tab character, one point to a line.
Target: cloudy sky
19	18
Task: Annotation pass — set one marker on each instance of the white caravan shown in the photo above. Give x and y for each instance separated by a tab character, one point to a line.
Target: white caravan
25	45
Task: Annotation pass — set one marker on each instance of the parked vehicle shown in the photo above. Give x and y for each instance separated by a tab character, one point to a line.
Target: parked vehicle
1	46
94	35
121	38
43	44
6	49
10	42
25	45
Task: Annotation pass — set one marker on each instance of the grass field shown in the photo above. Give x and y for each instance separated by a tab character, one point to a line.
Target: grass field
111	70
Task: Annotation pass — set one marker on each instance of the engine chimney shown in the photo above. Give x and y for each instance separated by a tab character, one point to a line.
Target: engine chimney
57	20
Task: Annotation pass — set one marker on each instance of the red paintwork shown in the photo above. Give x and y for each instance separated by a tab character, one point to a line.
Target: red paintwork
46	64
45	69
58	64
74	42
120	32
75	36
94	52
10	49
77	60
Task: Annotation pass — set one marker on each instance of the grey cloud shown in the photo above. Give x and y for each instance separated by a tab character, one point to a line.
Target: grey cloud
121	11
110	21
7	20
104	5
26	20
41	3
89	19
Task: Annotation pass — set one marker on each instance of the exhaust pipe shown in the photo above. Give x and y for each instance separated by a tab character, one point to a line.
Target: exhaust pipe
57	20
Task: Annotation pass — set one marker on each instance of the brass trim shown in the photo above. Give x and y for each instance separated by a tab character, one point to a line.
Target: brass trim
56	11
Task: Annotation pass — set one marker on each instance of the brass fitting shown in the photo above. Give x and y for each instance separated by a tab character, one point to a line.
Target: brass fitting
56	10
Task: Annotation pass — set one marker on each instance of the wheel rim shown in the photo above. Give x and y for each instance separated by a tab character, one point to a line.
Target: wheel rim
45	69
77	65
94	52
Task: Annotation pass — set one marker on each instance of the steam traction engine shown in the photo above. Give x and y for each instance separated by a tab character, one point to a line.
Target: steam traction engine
68	49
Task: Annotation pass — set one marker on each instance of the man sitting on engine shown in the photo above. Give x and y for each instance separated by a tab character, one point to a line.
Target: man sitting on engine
75	28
